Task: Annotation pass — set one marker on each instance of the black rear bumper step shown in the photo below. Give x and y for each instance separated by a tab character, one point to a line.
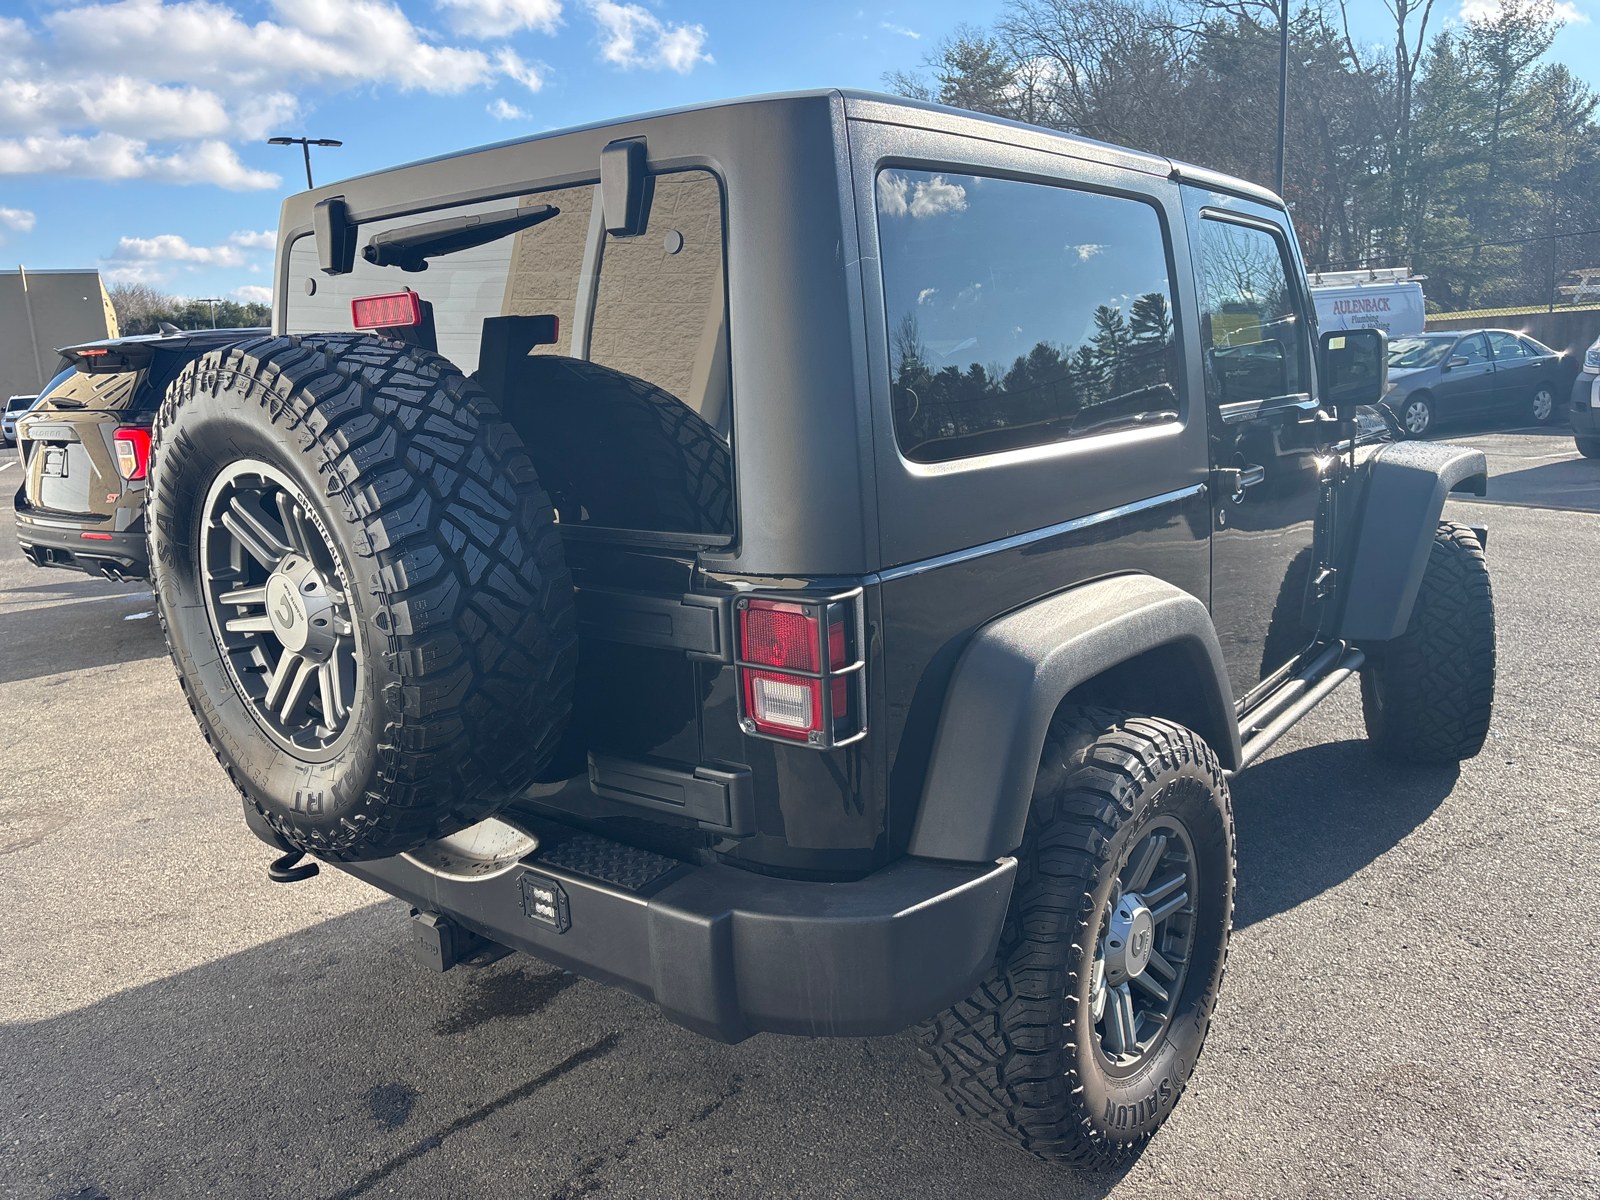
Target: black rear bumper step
728	953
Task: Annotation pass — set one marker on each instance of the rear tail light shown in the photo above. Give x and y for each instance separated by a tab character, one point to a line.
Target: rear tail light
802	674
133	452
391	311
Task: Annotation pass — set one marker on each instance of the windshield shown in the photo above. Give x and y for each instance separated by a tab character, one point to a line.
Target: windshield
1410	352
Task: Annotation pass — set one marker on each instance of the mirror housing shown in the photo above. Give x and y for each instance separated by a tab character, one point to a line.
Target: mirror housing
1457	360
1355	369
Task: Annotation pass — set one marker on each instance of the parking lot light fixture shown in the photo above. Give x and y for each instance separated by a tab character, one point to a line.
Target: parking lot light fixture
305	145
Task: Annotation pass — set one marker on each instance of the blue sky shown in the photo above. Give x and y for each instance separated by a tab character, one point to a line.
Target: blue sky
132	131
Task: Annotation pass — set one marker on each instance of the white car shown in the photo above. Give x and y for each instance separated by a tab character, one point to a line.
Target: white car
15	407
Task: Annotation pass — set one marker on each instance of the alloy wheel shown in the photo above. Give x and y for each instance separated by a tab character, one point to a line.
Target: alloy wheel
1418	417
278	600
1145	944
1544	403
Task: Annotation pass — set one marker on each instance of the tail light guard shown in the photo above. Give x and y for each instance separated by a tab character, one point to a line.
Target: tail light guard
801	661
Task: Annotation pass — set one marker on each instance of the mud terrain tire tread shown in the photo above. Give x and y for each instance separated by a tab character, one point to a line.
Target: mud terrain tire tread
1428	694
467	598
998	1056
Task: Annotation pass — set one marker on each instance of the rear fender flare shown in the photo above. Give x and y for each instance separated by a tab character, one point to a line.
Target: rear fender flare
1407	484
1012	677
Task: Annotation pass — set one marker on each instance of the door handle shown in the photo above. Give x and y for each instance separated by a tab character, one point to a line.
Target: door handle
1232	481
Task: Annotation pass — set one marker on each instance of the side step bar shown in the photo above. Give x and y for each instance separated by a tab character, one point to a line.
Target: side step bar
1279	712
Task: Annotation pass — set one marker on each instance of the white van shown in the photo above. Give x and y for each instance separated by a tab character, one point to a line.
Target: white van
1389	299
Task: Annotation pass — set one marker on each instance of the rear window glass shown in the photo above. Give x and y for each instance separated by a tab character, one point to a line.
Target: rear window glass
1020	313
101	392
644	443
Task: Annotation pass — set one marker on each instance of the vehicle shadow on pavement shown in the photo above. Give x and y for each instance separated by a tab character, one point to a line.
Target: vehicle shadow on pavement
1572	483
329	1064
1310	819
72	637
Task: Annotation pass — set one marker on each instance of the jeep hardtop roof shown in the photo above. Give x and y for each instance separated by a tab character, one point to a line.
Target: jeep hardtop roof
879	106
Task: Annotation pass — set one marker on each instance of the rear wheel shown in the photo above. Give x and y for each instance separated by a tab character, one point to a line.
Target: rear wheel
1427	695
1081	1039
363	589
1542	404
1589	447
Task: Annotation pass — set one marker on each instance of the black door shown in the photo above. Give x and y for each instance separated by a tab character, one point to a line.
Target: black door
1466	382
1256	340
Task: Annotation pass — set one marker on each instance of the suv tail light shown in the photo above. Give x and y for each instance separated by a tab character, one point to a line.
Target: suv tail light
802	674
133	452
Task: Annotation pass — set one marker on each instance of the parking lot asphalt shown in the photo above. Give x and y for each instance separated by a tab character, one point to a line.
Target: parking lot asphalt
1409	1009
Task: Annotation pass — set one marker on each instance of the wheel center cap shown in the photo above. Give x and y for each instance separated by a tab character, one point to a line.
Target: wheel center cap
300	609
1129	940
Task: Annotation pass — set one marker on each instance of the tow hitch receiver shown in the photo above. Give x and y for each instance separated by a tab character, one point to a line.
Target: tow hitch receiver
439	943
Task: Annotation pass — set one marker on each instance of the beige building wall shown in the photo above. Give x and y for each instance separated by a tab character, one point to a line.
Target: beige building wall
40	311
658	313
546	262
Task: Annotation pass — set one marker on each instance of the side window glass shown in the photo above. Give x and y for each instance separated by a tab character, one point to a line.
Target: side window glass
1474	349
1505	346
1253	339
1021	314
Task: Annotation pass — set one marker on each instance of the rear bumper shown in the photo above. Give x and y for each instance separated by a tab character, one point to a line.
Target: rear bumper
63	545
728	953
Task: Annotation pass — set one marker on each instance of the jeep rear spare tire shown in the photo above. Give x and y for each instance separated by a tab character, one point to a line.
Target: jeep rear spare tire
363	589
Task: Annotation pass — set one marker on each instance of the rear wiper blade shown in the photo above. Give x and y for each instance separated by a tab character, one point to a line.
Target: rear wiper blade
410	246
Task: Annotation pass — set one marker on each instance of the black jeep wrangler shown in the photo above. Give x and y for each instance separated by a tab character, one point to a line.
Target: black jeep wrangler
813	562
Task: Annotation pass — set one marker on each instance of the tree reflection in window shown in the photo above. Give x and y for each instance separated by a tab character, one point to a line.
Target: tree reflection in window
978	265
1252	338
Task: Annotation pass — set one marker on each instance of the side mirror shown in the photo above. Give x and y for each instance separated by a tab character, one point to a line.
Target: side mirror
1355	369
1459	360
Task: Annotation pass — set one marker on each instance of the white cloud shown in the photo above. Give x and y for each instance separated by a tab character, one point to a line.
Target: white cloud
898	197
131	89
509	64
926	294
935	196
19	219
497	18
632	36
501	111
251	294
1085	250
156	259
902	31
892	192
112	156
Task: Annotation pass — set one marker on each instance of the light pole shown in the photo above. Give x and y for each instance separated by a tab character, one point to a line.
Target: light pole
1283	85
305	144
213	301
